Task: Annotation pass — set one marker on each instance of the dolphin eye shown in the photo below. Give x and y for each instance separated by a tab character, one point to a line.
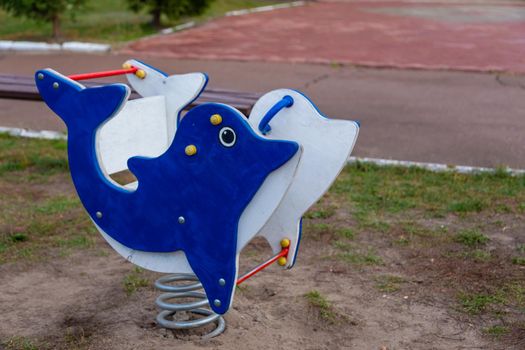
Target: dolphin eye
227	137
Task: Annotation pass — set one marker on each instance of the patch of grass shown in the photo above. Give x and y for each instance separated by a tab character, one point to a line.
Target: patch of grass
323	306
467	206
471	238
317	230
322	213
478	255
521	248
77	241
18	237
358	258
134	281
344	246
76	338
374	192
389	283
108	21
353	255
517	260
20	343
57	205
476	303
42	156
345	232
496	331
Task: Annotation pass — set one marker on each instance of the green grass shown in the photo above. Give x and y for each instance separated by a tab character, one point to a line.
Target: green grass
325	310
360	258
478	255
351	254
43	156
498	301
108	21
323	213
20	343
345	232
134	281
35	217
389	283
517	260
496	331
476	303
471	238
376	193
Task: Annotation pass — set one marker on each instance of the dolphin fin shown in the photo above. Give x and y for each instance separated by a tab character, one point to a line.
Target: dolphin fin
137	165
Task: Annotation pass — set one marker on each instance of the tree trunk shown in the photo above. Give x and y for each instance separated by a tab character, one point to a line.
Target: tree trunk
156	18
56	26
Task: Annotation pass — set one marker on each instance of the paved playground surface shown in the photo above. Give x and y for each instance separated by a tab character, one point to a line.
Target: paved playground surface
428	116
464	35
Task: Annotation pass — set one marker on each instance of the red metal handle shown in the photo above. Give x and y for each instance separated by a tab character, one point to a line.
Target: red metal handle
108	73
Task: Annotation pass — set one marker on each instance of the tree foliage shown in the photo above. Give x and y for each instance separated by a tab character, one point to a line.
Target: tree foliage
173	9
42	10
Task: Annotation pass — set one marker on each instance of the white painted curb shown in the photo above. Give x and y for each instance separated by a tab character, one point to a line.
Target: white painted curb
73	46
462	169
264	8
437	167
180	27
34	134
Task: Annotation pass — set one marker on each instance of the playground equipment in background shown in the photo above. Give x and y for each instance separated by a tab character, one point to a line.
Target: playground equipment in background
208	181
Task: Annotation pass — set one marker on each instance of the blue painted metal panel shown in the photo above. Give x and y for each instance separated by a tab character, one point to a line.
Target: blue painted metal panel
209	189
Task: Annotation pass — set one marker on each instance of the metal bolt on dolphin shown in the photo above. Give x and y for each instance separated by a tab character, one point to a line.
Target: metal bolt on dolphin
207	182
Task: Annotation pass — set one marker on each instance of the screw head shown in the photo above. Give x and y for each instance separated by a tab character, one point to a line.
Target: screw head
182	220
99	215
141	74
217	302
282	261
190	150
216	119
222	282
55	85
40	76
285	243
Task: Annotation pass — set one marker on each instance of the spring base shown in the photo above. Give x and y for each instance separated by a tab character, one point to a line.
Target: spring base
181	314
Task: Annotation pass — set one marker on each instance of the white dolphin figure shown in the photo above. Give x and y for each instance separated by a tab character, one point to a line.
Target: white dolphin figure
327	144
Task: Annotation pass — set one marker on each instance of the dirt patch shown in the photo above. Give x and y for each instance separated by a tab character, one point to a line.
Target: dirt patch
80	302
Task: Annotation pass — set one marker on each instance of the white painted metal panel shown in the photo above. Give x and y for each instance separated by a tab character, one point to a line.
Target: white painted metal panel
326	143
179	90
139	129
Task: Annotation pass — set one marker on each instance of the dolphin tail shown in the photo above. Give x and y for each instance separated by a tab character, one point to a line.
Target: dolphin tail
80	107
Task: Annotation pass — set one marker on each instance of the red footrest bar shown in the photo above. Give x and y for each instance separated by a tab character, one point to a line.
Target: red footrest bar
281	257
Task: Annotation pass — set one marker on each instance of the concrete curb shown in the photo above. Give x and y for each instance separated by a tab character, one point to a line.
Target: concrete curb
264	8
71	46
241	12
34	134
437	167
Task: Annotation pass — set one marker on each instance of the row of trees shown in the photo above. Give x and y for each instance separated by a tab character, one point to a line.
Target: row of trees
52	11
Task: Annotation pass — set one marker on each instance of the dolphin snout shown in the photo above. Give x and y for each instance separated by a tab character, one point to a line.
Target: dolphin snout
280	151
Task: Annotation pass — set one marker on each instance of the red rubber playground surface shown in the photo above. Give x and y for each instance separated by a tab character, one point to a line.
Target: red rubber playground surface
481	36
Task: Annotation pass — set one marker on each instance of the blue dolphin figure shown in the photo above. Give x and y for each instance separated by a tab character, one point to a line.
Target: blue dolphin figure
190	198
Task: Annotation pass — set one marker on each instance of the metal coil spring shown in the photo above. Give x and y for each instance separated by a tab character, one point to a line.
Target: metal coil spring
165	301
